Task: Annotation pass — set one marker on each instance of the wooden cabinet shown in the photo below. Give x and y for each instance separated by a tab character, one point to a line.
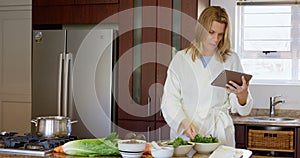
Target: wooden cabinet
138	73
240	136
52	12
148	35
297	143
96	1
73	11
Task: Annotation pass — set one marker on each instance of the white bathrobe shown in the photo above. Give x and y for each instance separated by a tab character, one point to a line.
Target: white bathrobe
188	93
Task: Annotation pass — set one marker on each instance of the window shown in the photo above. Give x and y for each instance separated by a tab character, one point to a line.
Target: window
268	42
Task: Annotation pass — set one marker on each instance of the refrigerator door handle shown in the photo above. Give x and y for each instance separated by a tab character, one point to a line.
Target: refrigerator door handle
59	87
68	57
70	91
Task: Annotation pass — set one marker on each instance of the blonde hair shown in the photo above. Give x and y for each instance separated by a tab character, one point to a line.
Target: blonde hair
210	14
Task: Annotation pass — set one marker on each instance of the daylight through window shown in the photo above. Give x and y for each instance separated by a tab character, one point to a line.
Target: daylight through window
268	42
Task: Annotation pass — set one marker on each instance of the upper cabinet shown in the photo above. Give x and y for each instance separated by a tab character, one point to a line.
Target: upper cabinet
73	11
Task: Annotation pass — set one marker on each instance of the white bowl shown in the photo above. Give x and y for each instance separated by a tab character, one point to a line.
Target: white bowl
206	148
182	150
165	152
131	155
131	147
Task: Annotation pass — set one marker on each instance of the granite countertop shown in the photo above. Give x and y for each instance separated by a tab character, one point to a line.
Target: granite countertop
237	119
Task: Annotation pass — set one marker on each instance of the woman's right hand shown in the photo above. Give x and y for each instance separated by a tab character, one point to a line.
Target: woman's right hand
189	129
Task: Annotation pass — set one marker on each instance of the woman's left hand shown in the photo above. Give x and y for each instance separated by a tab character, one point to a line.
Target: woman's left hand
240	91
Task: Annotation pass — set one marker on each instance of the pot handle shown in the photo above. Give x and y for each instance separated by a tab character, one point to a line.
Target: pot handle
34	121
75	121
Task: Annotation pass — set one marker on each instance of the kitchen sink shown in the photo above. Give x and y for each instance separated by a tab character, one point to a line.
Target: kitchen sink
273	119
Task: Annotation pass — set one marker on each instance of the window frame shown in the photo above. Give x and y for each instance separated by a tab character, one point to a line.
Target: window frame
293	54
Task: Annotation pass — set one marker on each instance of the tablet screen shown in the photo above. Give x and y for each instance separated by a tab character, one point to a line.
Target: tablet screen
227	75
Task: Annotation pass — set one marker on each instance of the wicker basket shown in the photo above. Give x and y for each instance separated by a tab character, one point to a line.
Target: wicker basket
270	139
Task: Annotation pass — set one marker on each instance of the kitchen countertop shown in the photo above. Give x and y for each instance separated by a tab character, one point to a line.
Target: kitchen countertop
246	120
237	119
60	155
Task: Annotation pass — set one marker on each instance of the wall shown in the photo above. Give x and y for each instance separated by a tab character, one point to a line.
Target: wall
261	93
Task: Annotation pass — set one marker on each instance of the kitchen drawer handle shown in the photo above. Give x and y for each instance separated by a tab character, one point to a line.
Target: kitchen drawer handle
149	106
160	113
159	134
148	133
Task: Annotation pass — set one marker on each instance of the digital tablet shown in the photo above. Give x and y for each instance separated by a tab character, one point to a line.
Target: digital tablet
227	75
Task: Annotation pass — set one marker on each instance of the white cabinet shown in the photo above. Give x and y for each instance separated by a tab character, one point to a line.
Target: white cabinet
15	65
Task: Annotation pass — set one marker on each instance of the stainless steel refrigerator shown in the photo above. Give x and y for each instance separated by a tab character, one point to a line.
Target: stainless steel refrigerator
72	75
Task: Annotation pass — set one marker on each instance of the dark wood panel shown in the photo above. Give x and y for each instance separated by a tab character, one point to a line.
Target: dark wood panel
96	1
127	112
137	127
52	2
297	143
87	14
56	12
161	74
52	14
188	21
125	59
240	136
125	70
164	48
148	53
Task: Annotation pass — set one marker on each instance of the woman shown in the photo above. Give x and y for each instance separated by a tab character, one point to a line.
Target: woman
190	104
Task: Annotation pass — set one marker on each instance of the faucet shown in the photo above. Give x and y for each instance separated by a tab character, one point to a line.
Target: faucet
273	103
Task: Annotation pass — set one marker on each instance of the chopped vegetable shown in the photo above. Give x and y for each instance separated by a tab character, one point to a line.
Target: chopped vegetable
58	149
93	147
200	139
177	142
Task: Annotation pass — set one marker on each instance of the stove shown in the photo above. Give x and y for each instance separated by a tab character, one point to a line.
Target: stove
30	144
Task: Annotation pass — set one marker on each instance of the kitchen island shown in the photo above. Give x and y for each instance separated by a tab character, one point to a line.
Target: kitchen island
61	155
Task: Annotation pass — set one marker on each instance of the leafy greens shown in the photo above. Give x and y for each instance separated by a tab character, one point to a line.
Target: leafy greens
201	139
93	147
177	142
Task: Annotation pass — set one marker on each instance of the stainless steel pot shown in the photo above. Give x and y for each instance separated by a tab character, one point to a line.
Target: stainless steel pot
53	126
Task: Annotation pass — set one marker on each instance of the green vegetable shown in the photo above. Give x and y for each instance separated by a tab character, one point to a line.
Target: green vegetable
177	142
200	139
93	147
